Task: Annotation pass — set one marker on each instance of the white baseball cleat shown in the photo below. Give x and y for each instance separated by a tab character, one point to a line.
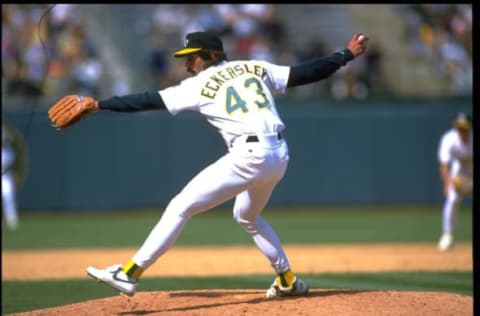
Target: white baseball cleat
446	242
298	288
114	277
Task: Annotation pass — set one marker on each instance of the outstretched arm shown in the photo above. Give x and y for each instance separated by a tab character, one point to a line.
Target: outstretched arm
73	108
320	68
145	101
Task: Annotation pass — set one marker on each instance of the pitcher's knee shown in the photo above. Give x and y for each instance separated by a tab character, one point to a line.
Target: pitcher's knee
181	207
250	226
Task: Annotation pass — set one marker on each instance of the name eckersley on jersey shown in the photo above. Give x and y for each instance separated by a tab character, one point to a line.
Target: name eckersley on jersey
215	81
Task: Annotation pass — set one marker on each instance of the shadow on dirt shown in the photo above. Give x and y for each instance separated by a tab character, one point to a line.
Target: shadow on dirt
258	297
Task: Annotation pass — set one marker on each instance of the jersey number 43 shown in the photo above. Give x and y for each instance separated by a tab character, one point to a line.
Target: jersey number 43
235	102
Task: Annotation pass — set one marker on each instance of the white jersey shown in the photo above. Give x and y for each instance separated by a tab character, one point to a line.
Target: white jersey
453	151
234	96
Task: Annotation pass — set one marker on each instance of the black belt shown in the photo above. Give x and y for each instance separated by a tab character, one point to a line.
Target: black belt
254	138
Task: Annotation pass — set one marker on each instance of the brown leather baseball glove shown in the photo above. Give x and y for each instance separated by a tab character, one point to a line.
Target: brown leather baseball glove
70	109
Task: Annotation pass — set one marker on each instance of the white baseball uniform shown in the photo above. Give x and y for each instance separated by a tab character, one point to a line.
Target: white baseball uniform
236	98
9	203
459	155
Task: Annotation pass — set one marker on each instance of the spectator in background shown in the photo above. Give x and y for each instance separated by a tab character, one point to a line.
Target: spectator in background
34	58
273	28
461	26
455	157
87	73
59	20
348	85
209	19
419	32
157	60
372	76
167	24
86	68
261	50
250	25
22	65
455	64
441	34
76	54
73	62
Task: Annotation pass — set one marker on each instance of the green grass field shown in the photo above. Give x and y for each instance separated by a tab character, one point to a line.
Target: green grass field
294	225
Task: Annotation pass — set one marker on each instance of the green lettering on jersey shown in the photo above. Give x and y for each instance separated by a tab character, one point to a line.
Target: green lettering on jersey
239	69
208	94
261	103
231	72
217	80
234	102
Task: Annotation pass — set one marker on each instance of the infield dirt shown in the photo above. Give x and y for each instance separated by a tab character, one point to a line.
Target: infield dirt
218	261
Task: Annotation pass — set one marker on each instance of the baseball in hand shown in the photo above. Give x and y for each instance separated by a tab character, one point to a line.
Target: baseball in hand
361	38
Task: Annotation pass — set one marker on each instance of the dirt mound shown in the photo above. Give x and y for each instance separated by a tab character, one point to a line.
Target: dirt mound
253	302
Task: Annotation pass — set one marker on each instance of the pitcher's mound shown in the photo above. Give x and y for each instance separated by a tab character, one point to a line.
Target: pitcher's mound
253	302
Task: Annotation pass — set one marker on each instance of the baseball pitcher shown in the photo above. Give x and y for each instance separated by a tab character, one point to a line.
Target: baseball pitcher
236	97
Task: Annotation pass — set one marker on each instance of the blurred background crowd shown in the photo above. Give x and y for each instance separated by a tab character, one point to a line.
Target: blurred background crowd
47	58
102	50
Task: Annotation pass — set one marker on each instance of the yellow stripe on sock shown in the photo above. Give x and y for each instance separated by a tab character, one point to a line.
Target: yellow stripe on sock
286	279
132	270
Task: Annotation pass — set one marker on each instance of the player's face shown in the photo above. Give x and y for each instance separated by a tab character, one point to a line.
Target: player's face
194	63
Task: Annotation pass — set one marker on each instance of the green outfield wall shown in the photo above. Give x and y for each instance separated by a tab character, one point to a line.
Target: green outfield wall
340	153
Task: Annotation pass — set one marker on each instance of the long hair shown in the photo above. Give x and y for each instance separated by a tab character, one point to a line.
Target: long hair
212	58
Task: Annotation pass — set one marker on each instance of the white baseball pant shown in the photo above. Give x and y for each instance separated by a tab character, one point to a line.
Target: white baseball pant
9	202
451	206
249	172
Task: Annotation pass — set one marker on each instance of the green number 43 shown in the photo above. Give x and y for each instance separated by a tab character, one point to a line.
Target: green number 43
235	102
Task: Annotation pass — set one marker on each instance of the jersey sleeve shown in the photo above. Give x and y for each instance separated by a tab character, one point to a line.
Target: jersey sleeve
277	77
443	154
180	97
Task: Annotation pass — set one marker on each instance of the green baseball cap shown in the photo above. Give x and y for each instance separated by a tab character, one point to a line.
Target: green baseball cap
462	121
198	41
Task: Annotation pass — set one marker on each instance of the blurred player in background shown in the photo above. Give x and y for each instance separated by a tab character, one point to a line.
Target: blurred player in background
455	155
9	163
